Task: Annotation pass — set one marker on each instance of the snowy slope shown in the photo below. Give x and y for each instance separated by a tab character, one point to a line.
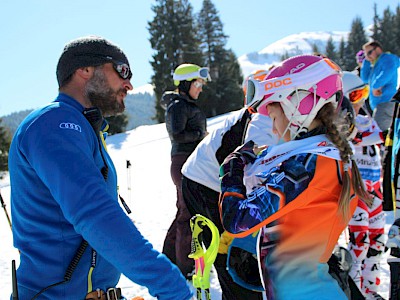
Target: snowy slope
150	193
295	44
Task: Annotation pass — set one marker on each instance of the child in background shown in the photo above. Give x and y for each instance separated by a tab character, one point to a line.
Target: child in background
367	238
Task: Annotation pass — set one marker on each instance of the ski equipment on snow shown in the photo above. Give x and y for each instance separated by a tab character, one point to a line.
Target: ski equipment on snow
203	258
128	179
14	281
5	210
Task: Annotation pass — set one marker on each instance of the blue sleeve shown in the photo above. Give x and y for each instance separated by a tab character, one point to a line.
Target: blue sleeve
64	160
365	71
386	72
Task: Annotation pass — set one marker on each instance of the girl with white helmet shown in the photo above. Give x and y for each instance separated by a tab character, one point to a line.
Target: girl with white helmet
367	226
300	193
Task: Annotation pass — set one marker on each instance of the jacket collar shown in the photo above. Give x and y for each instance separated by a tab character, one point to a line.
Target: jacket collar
64	98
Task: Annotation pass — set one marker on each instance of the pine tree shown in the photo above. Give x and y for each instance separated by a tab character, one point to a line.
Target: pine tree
387	37
5	141
396	31
314	48
117	123
224	92
330	50
355	41
174	40
376	32
285	56
210	29
349	61
341	59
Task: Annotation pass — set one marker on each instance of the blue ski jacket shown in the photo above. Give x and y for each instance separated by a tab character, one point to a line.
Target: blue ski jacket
59	197
383	74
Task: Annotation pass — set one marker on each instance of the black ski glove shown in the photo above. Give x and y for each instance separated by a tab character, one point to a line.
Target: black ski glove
246	153
231	171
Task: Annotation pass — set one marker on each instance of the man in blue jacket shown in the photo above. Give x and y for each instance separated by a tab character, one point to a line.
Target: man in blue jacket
64	190
379	70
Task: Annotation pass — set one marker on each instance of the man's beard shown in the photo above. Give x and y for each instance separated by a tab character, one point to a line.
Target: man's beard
102	96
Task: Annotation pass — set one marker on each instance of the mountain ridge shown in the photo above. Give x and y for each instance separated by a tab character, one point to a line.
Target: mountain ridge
140	102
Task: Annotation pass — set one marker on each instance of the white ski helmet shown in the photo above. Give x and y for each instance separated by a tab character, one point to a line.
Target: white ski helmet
302	85
354	88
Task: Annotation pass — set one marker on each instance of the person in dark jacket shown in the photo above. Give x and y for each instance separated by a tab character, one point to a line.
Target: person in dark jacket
73	237
187	126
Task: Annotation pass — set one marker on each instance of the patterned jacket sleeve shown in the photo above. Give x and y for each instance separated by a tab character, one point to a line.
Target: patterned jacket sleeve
243	214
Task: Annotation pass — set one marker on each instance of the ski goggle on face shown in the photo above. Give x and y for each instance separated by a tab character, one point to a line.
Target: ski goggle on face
359	94
202	73
312	74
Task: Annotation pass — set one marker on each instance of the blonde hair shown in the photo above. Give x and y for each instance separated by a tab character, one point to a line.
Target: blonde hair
326	116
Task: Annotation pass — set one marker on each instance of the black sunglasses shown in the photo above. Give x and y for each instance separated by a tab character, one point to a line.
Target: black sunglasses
123	69
370	51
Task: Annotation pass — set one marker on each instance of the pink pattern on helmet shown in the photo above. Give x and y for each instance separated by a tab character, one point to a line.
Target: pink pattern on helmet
326	87
302	102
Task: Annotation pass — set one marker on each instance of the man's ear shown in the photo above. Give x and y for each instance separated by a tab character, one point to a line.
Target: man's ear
85	72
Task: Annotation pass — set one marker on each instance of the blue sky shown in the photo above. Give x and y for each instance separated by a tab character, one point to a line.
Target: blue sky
33	33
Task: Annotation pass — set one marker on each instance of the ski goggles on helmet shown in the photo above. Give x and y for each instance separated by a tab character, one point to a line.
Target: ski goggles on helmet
202	73
359	94
256	90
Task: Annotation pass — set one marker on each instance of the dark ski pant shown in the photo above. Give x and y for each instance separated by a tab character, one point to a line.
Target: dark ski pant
202	200
179	236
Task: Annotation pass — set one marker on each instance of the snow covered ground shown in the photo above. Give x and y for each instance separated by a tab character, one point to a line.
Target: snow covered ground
150	193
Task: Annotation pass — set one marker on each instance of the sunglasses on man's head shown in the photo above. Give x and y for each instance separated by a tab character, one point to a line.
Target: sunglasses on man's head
370	51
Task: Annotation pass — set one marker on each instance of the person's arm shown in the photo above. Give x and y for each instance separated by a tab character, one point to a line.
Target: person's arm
233	137
243	214
365	71
386	72
63	158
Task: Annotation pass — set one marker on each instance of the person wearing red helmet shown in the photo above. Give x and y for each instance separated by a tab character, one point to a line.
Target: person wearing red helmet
299	194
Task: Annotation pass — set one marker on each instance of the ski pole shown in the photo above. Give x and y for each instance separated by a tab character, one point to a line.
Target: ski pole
128	177
14	281
5	210
203	259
